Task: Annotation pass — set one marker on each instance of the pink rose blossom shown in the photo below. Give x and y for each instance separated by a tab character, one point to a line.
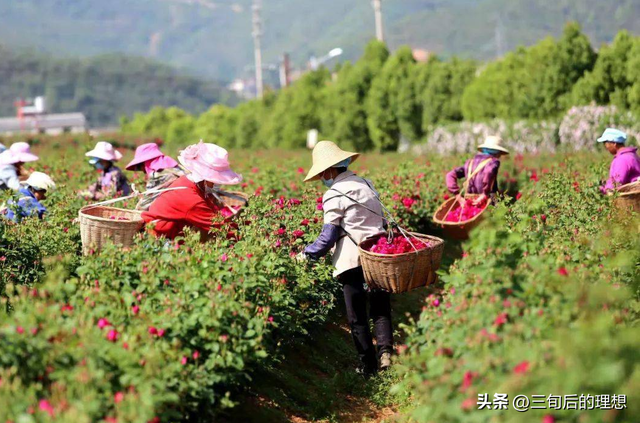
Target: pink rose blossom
103	323
46	406
135	309
112	335
183	360
522	367
118	397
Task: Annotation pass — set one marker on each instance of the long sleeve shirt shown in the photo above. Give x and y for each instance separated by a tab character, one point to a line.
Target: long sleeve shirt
352	206
484	182
26	206
324	243
110	183
625	168
173	210
9	178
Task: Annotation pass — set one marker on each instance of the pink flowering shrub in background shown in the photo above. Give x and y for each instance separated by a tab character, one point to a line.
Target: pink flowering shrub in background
581	126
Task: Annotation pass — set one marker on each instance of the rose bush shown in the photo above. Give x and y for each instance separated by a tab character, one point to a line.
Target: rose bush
172	331
543	301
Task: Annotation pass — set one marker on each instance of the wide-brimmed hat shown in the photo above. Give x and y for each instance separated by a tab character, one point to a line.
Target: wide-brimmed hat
327	154
40	181
105	151
19	152
208	162
493	143
151	151
613	135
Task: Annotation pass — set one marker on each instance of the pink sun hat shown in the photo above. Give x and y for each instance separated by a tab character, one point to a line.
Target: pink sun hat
19	152
150	152
208	162
105	151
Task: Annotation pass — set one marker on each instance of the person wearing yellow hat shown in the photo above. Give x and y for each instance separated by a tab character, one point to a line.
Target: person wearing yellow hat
480	172
352	212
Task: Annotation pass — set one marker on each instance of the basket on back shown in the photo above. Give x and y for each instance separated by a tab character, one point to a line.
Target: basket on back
629	197
457	230
401	272
101	224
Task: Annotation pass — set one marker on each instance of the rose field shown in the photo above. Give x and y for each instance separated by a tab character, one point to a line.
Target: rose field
542	300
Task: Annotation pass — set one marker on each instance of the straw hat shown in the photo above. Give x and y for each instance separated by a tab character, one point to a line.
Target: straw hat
40	181
493	143
326	154
105	151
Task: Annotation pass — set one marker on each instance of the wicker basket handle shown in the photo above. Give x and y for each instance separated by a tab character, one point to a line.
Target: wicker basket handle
135	194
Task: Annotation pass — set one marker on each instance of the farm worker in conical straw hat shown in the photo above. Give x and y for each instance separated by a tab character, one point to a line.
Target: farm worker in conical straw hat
160	170
195	199
625	167
481	172
111	181
32	192
12	161
352	212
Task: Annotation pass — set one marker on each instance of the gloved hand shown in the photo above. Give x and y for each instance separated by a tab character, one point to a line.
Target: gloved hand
301	257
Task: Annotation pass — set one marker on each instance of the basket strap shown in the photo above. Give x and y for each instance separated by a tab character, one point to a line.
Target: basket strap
135	194
465	185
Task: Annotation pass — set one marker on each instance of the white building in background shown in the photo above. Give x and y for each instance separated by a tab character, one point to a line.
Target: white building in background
34	119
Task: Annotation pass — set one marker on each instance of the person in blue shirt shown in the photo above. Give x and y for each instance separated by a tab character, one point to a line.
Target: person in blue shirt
30	194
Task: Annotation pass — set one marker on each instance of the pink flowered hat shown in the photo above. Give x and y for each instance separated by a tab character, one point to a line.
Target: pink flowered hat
148	152
105	151
19	152
208	162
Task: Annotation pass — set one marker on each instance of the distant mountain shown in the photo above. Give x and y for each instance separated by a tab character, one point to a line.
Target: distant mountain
213	37
103	88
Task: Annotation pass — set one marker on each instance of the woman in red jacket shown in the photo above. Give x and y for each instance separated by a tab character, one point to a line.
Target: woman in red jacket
194	199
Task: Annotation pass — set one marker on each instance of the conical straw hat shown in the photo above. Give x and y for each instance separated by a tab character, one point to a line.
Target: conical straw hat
493	142
326	154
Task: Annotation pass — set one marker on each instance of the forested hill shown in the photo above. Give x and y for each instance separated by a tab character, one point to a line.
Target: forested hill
213	37
104	87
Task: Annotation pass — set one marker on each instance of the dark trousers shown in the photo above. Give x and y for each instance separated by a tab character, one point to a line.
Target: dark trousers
355	299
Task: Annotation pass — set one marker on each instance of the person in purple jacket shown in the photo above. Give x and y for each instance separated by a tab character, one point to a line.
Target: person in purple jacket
625	167
481	172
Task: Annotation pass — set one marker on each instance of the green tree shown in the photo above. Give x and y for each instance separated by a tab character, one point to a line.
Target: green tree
180	132
216	126
533	82
440	86
344	119
249	118
608	82
633	75
392	107
306	104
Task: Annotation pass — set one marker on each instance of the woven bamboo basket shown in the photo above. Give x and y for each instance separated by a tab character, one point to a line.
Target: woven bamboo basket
97	228
629	197
401	272
457	230
235	198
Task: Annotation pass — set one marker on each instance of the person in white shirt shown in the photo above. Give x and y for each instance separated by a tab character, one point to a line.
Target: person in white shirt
352	213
